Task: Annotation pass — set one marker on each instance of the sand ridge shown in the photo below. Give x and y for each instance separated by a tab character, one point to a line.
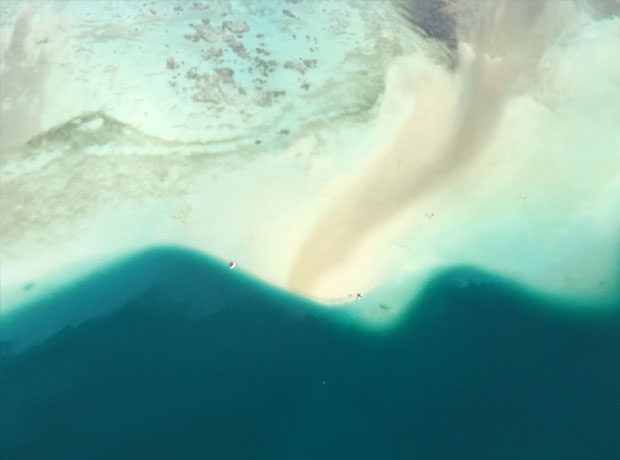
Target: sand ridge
508	161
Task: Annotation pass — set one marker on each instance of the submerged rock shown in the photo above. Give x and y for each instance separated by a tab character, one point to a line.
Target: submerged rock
235	27
171	63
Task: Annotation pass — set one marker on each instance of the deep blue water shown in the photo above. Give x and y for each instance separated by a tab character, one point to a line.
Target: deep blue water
204	363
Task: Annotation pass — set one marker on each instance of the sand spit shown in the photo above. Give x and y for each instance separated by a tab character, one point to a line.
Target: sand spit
355	156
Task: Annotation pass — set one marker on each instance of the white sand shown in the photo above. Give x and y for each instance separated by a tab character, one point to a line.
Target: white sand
385	136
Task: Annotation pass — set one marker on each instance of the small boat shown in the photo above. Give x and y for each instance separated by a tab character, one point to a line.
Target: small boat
232	265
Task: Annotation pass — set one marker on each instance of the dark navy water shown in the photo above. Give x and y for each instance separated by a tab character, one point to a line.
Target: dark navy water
204	363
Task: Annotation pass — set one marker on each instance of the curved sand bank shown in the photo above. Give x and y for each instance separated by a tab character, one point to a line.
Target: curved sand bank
501	152
177	278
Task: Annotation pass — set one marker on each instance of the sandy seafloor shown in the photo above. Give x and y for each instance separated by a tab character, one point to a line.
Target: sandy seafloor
456	162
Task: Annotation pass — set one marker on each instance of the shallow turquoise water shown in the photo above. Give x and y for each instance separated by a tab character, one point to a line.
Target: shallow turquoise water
235	369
